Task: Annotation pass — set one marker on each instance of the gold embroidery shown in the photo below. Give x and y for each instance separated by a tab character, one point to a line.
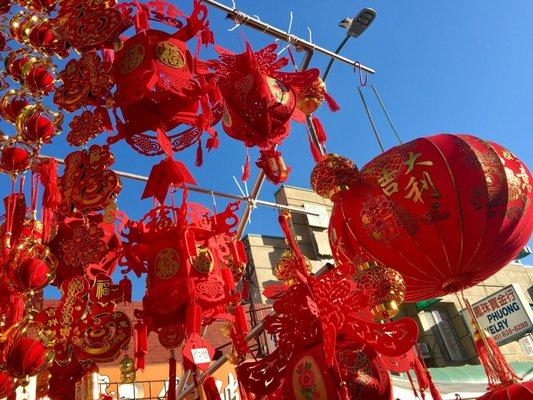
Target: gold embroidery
132	59
167	264
170	55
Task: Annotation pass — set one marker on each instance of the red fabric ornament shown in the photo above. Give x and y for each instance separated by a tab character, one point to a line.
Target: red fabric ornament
87	26
516	391
169	86
5	6
39	35
84	127
88	184
85	247
87	81
7	384
168	172
446	211
46	170
274	166
140	339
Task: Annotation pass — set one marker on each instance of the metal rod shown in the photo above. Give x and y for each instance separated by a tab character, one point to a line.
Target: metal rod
372	123
245	19
261	177
387	114
198	189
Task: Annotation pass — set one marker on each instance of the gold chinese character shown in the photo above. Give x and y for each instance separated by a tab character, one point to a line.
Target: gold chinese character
411	162
416	188
102	289
387	183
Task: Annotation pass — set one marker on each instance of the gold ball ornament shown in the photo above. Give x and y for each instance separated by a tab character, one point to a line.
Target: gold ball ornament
384	287
288	265
334	174
310	97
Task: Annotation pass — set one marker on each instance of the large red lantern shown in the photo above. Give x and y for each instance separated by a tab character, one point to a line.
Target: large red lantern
516	391
446	211
159	85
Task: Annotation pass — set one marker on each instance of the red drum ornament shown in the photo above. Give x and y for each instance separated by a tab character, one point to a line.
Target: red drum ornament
516	391
446	211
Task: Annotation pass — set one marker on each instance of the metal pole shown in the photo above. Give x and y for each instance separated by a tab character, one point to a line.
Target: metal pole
198	189
245	19
261	177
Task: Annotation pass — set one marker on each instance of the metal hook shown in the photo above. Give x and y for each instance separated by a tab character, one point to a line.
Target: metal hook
362	82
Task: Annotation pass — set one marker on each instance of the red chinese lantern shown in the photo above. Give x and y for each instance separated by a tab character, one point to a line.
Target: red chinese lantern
7	384
37	125
14	159
11	105
259	101
25	352
160	87
516	391
446	211
31	267
37	77
14	63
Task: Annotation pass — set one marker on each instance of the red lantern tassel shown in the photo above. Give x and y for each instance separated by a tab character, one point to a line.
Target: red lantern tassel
412	384
47	170
246	169
210	389
314	150
199	154
319	129
212	142
332	104
125	285
171	394
433	389
141	344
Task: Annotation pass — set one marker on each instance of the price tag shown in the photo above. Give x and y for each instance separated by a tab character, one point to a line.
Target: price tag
200	356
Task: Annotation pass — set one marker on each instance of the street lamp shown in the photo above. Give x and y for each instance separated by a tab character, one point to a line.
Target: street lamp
354	28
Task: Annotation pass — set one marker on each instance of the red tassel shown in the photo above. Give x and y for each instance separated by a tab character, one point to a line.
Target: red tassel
126	287
332	104
210	389
314	150
164	142
412	384
47	170
141	344
246	169
193	324
433	389
167	172
319	129
171	394
199	154
141	18
212	142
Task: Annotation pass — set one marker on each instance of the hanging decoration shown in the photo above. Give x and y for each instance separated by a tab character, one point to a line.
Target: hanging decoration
259	101
324	336
446	211
171	86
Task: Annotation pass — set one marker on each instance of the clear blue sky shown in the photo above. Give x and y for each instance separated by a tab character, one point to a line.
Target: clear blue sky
442	66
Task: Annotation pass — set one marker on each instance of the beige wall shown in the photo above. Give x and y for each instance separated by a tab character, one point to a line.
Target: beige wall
264	251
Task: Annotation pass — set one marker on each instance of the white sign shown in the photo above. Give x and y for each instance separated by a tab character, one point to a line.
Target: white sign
200	356
321	220
506	314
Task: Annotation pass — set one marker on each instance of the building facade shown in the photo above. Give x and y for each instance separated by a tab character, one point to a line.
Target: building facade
445	338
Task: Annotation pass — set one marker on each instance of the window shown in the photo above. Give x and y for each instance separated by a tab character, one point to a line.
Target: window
444	332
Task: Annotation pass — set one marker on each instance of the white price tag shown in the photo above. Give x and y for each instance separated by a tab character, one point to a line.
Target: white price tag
200	356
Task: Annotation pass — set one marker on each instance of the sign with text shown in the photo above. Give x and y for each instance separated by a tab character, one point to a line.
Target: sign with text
506	314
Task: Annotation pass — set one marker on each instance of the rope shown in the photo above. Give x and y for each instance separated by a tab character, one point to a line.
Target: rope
387	114
372	123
